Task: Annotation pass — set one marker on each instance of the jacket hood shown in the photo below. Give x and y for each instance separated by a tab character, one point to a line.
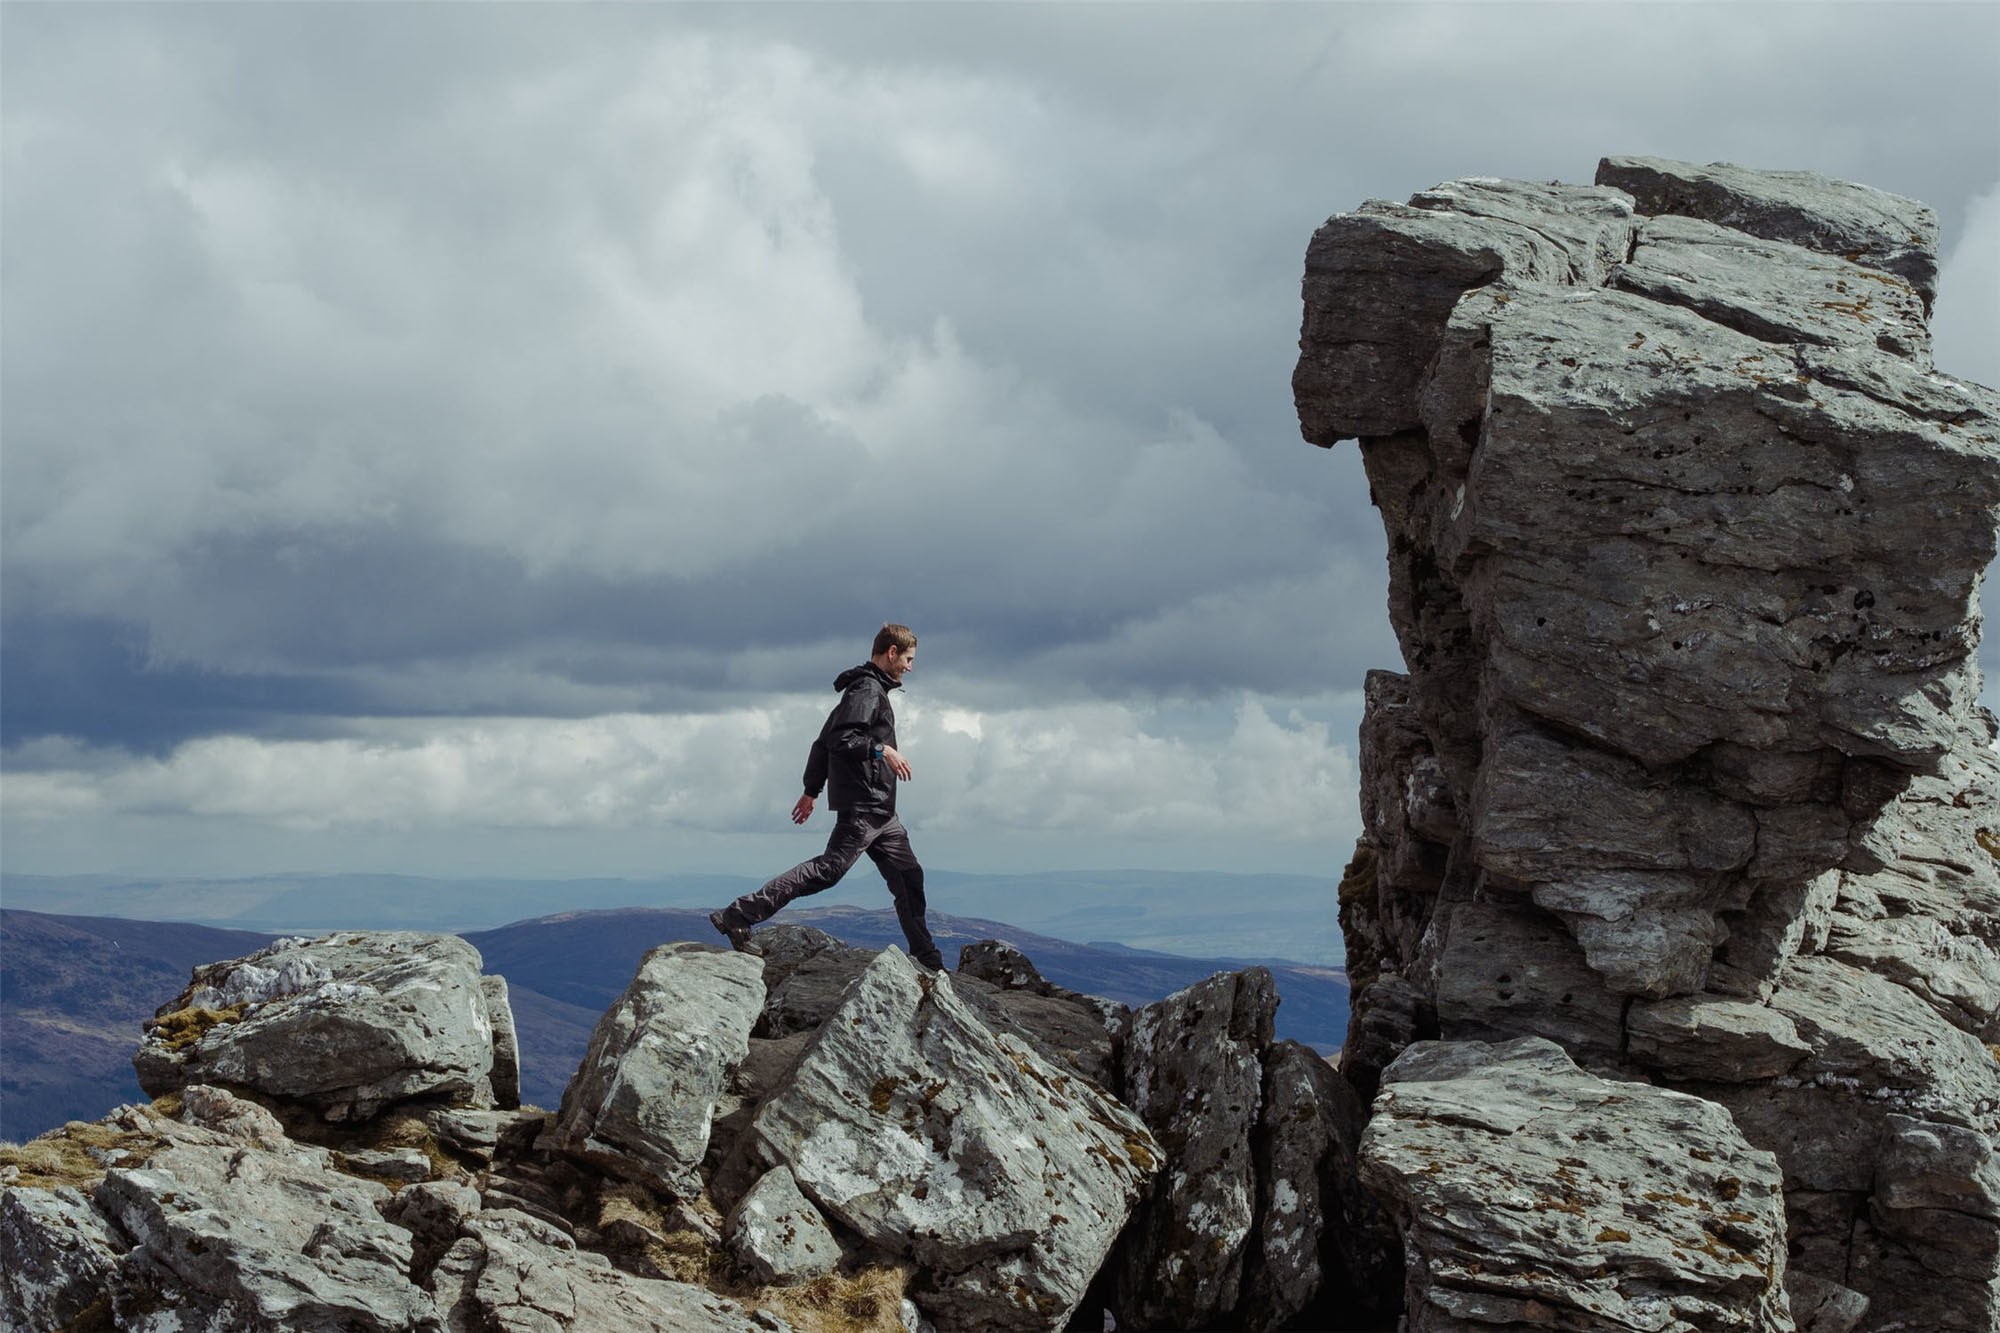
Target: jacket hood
854	673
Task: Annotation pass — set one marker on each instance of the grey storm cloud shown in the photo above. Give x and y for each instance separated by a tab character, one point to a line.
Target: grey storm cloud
551	360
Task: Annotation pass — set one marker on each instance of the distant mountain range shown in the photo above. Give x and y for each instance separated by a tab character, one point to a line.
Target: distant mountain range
76	990
1196	913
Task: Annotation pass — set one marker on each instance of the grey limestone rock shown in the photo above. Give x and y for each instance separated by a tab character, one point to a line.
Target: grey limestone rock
643	1101
1381	280
1713	1039
1533	1194
1771	292
1820	1306
58	1257
1003	1177
1687	772
261	1238
1194	1072
776	1234
510	1274
1085	1038
1932	1233
1323	1244
406	1165
434	1213
1091	1043
345	1024
1876	228
506	1075
477	1135
1509	970
806	972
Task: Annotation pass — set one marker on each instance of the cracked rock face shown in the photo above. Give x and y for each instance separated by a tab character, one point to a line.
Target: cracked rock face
345	1024
1686	773
1003	1176
1593	1204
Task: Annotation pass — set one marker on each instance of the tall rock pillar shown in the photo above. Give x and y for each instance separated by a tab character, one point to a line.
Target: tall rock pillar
1687	771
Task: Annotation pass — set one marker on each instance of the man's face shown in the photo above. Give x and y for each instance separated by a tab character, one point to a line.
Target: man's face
900	661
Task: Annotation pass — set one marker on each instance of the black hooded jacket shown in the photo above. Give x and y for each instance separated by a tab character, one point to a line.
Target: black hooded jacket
844	759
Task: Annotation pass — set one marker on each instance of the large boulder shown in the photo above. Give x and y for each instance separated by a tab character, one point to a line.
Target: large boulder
1531	1193
214	1215
1194	1070
806	974
1003	1177
1085	1032
344	1024
1323	1243
643	1101
776	1235
58	1258
509	1273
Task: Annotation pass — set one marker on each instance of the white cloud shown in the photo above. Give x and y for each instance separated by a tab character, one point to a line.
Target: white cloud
652	357
1965	326
1092	768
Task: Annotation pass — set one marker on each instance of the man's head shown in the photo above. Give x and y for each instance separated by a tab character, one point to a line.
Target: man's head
895	650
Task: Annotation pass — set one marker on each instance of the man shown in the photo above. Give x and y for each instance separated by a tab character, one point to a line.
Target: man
856	760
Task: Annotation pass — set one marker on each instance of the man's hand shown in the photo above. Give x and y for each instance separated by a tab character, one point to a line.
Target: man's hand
897	764
802	811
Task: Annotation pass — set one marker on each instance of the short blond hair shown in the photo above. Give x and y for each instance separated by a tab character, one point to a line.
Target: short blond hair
892	635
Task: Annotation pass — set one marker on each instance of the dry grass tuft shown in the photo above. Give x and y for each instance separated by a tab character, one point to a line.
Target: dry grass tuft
73	1154
870	1301
686	1256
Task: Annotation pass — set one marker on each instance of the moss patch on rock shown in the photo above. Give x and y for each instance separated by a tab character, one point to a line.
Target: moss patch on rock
184	1027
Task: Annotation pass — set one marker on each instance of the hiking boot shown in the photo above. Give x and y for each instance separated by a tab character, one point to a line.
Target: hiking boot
933	964
739	936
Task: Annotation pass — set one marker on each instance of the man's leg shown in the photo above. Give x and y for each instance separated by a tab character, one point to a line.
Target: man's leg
890	851
843	848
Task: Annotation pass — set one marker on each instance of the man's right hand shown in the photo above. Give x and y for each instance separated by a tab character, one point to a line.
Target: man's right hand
897	764
802	811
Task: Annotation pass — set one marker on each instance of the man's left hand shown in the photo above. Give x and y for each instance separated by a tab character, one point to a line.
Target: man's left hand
802	811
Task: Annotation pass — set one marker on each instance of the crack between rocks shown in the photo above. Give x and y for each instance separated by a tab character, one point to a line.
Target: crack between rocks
1748	323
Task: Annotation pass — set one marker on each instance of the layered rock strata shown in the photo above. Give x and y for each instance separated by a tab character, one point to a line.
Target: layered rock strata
1686	773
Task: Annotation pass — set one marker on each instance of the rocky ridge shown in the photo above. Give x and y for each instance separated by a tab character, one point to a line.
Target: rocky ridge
814	1137
1686	775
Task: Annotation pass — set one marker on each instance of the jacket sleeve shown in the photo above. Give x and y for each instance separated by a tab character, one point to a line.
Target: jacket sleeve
850	727
815	769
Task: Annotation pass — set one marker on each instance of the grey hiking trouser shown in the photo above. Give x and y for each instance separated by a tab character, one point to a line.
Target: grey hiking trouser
887	843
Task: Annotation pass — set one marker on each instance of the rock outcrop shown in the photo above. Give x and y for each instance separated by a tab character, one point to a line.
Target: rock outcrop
915	1151
1194	1069
345	1025
1686	774
644	1099
1004	1177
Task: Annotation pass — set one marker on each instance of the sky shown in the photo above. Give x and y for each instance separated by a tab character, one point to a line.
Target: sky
469	439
